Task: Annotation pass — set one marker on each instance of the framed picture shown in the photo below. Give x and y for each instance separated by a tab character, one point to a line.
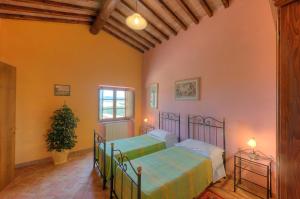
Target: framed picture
153	95
62	90
187	89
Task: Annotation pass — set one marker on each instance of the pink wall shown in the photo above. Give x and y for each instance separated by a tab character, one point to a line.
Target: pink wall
234	54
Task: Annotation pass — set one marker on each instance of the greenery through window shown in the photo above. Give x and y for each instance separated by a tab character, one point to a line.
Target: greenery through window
115	103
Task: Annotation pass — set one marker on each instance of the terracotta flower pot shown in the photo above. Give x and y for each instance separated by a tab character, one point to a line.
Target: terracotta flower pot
60	157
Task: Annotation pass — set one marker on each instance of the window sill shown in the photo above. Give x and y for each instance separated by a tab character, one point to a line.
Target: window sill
115	121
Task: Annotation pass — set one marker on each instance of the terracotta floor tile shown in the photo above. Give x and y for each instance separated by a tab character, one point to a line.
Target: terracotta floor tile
73	180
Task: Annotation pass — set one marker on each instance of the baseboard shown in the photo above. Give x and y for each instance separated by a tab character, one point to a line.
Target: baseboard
34	162
49	159
80	152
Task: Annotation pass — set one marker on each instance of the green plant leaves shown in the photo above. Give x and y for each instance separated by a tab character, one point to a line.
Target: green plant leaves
61	135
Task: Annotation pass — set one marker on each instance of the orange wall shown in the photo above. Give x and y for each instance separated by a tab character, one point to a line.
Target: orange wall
49	53
234	54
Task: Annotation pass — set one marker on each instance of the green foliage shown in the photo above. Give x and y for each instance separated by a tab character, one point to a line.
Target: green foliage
62	135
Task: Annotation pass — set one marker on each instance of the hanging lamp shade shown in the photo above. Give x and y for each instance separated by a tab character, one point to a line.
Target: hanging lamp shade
136	22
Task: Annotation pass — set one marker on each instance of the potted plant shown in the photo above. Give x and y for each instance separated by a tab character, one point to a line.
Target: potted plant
61	137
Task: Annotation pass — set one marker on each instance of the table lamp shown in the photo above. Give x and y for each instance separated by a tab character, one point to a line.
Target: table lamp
146	120
252	144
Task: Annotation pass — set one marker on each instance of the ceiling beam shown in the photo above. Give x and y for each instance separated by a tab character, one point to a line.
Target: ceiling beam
104	13
46	12
132	38
225	3
206	7
157	15
12	10
280	3
114	22
176	18
139	34
122	18
45	19
121	39
153	36
94	4
188	11
124	38
49	5
164	35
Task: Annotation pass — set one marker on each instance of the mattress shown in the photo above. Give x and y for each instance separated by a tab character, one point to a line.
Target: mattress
174	173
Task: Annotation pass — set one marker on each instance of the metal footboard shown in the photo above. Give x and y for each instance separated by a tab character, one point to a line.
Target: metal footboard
100	157
121	161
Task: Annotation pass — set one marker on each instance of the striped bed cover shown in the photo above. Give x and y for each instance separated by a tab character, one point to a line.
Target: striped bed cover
133	147
174	173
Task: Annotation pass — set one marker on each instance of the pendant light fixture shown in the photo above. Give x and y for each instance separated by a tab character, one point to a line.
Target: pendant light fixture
136	21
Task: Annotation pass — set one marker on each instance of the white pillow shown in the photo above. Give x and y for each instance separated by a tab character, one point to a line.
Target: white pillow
162	134
212	152
197	145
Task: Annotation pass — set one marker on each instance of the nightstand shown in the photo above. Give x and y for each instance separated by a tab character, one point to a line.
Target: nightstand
253	175
146	128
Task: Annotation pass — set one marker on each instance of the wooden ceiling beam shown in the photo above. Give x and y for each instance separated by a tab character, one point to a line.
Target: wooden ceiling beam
114	22
153	36
206	7
45	19
104	13
140	34
11	10
157	15
46	12
51	6
280	3
118	30
121	17
164	35
121	39
130	37
93	4
124	38
174	16
188	11
225	3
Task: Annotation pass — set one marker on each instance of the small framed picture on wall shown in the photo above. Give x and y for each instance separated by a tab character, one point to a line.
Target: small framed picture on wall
153	94
187	89
62	90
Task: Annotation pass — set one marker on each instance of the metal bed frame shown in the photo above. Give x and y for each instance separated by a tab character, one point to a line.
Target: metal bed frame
208	130
194	122
167	121
170	122
98	140
121	162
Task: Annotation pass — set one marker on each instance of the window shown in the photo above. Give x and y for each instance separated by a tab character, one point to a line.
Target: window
115	103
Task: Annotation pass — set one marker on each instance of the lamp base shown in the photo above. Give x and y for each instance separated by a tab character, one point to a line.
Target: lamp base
253	156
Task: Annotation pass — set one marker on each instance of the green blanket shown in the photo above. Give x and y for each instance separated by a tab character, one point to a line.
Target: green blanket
173	173
133	147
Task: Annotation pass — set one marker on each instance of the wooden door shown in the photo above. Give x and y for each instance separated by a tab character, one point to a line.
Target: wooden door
288	137
7	123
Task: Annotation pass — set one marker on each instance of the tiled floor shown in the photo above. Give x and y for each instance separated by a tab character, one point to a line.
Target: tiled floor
75	180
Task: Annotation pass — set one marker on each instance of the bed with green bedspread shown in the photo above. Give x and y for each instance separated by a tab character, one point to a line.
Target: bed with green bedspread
173	173
133	147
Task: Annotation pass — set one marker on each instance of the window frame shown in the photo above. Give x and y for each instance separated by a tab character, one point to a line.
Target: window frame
115	89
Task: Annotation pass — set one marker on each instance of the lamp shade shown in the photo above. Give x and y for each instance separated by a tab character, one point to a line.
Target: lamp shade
146	120
252	143
136	22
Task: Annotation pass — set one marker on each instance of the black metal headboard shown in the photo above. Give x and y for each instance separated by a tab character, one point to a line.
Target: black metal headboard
207	129
170	122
